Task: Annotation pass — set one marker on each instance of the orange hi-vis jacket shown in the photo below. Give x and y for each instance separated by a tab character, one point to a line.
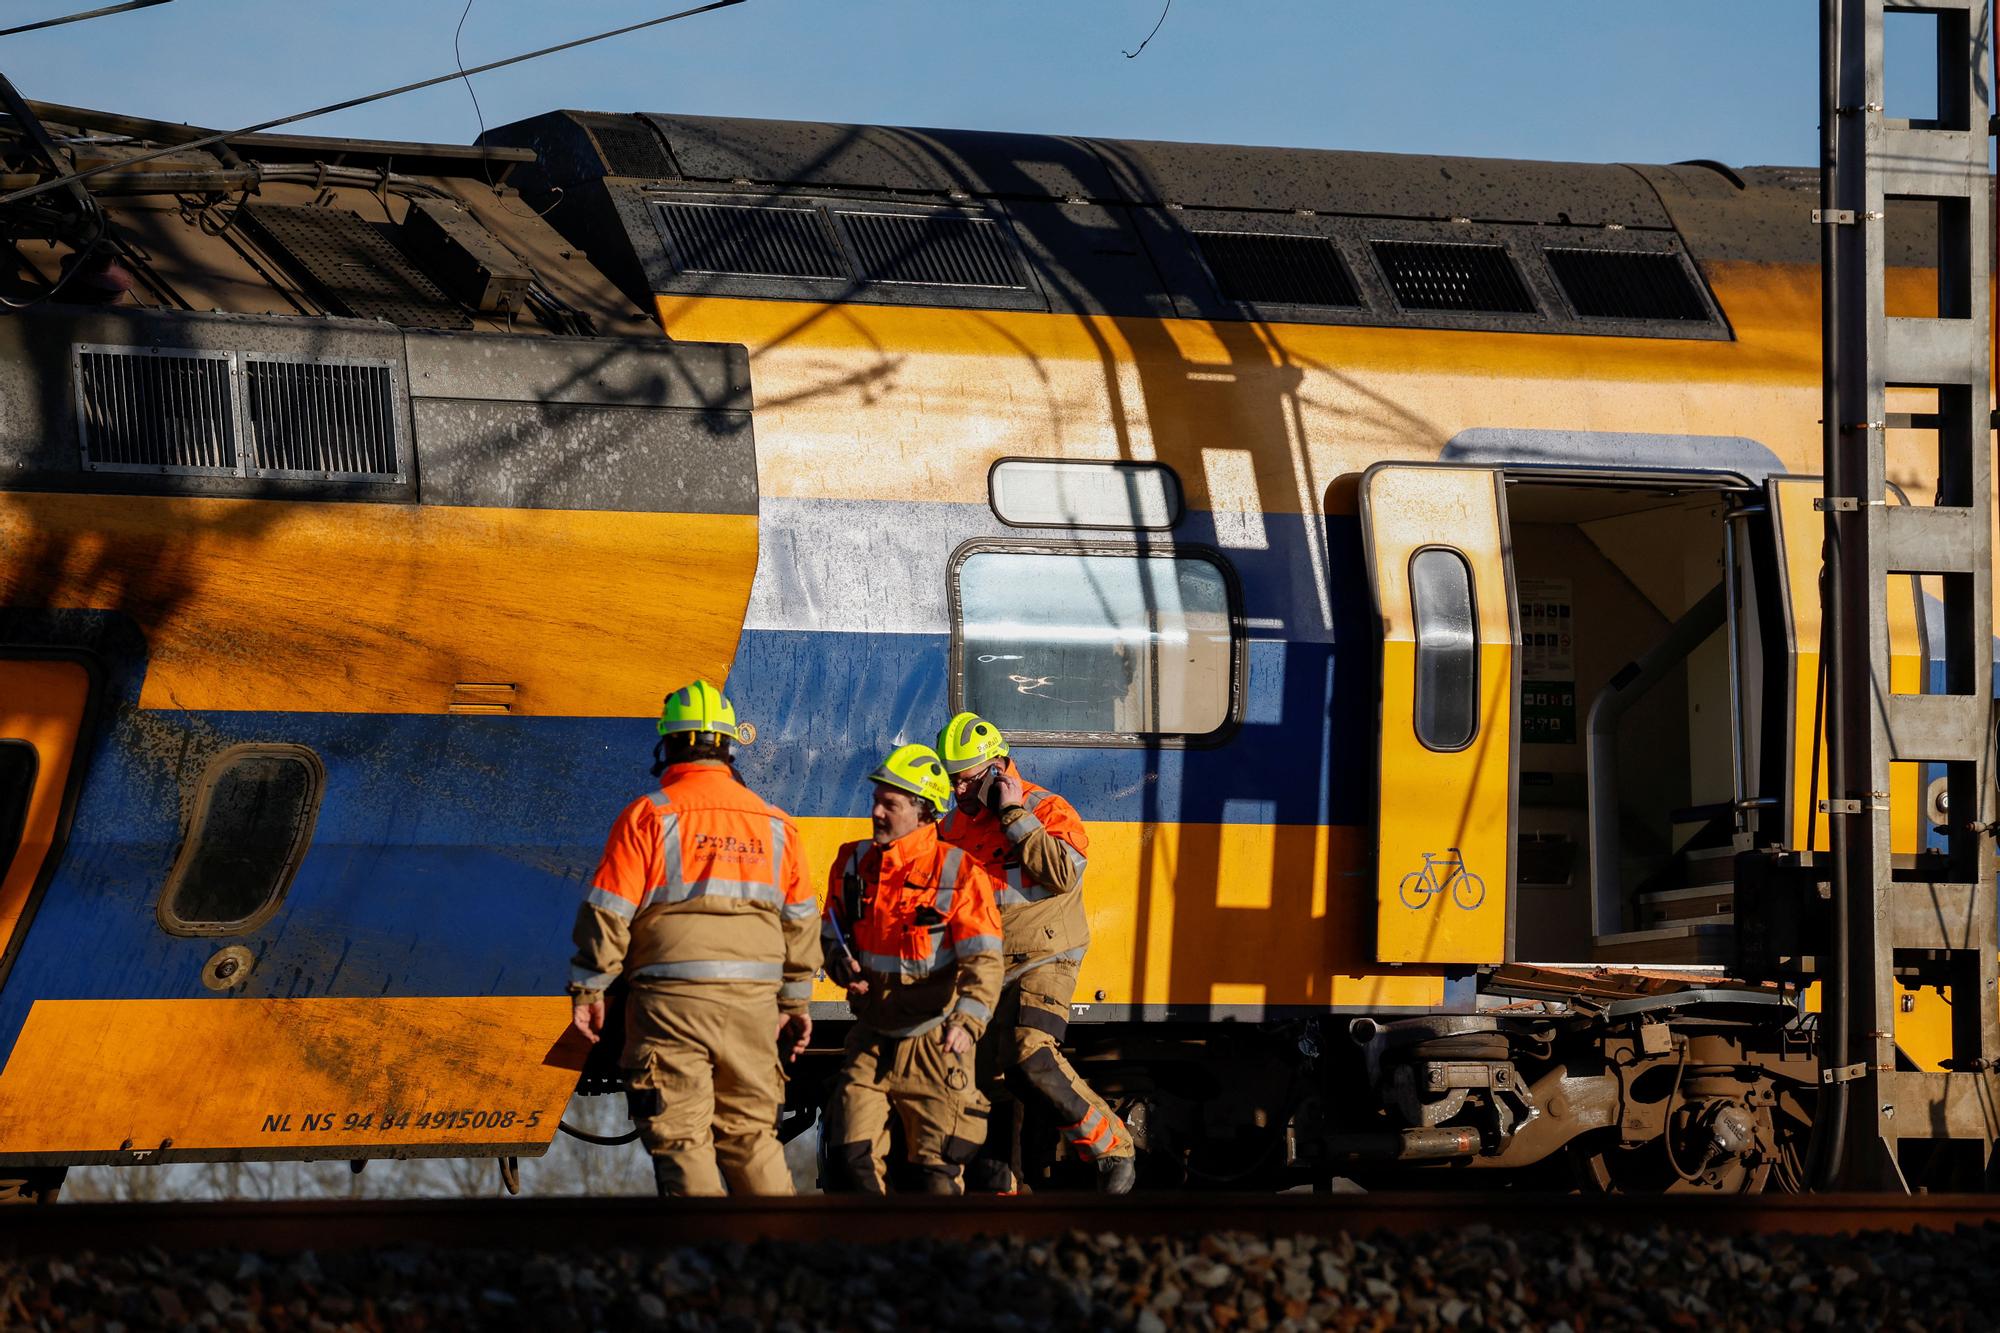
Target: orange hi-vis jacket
1036	850
700	882
920	920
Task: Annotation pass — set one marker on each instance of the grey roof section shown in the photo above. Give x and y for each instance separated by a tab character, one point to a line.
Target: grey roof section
1720	214
1026	166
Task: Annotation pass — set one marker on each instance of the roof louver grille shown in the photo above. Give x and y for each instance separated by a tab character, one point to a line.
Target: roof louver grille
1622	284
358	270
630	148
156	410
1453	275
1263	268
321	418
751	240
931	249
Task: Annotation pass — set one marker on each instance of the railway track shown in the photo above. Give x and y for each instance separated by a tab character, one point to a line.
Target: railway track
554	1224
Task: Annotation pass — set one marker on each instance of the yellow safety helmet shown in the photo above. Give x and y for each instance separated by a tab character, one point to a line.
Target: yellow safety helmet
701	707
968	741
916	770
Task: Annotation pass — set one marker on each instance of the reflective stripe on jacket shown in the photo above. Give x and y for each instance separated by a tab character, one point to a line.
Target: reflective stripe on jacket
700	881
921	921
1043	920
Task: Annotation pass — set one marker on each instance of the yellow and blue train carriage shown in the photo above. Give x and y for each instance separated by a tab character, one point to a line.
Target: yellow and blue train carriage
1407	565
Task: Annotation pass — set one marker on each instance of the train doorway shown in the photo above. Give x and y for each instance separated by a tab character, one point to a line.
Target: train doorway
1641	685
1597	689
45	710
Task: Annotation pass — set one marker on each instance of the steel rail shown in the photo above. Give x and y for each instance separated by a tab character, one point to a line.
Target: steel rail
559	1223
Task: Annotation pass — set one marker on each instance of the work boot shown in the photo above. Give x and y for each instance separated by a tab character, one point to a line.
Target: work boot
941	1180
987	1175
1116	1175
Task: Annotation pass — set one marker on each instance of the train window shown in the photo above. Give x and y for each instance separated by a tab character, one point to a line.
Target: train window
1447	668
1066	493
1093	643
18	766
253	819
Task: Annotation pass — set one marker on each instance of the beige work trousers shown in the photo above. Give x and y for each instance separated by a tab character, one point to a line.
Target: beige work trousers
1025	1044
702	1062
931	1090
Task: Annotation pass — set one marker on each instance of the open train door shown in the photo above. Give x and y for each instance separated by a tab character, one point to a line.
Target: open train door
45	704
1436	538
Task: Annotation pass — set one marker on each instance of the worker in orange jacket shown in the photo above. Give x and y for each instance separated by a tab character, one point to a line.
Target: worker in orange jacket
911	930
701	904
1034	842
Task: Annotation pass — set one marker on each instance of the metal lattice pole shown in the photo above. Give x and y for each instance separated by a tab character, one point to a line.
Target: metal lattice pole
1933	918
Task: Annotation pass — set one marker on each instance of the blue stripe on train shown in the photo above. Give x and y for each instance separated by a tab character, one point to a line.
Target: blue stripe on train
828	707
446	842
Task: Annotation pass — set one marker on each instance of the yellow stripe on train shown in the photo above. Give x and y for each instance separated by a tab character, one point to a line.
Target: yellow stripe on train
1216	914
276	605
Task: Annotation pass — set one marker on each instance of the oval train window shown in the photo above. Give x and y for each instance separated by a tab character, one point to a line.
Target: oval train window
1447	667
253	819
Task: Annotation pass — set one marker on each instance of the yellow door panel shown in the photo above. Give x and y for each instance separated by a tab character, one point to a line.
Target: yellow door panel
1437	556
42	703
1800	529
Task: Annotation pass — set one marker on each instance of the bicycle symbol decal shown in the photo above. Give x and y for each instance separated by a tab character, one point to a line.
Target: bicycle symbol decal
1442	873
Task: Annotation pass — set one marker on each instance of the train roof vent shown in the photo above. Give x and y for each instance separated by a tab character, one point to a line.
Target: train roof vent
1263	268
750	240
156	410
1626	284
356	269
630	147
934	249
1453	275
321	419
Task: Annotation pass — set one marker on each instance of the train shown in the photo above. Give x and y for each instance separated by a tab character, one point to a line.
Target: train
1408	566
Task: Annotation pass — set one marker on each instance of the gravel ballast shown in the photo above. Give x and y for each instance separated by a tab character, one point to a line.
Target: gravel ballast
1476	1277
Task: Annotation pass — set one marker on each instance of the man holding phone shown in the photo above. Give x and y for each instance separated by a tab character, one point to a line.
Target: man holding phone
1033	842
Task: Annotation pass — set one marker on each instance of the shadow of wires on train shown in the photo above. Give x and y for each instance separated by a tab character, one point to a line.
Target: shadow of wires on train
1239	834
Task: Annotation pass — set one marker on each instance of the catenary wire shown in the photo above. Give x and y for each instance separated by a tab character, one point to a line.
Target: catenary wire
458	58
210	139
1134	55
80	17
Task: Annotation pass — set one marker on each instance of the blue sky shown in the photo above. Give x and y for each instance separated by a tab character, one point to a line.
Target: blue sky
1568	79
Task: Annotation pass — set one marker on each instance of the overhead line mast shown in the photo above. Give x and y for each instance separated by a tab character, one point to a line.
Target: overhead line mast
1932	922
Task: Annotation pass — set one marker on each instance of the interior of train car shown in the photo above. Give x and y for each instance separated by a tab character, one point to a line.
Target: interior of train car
1665	700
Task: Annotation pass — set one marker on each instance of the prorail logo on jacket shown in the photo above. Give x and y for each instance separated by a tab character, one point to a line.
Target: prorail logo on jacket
724	843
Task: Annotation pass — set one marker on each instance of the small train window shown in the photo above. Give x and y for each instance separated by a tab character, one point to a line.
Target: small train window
1083	493
253	820
1096	644
1447	669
